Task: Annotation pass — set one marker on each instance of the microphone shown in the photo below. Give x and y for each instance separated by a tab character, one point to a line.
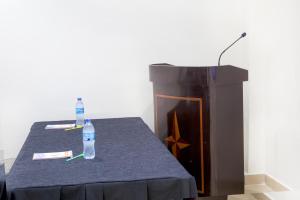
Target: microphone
243	35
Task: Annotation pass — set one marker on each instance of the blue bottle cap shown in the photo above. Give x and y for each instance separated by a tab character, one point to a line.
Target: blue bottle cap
79	99
87	121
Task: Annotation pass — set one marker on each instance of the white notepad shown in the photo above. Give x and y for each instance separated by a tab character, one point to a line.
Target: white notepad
52	155
59	126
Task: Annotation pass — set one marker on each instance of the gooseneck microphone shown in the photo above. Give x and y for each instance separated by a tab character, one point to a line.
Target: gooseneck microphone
243	35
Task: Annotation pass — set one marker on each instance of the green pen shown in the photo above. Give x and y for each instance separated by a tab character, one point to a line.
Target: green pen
78	156
73	128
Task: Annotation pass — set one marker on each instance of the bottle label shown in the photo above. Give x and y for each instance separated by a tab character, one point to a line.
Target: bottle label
79	110
89	137
92	137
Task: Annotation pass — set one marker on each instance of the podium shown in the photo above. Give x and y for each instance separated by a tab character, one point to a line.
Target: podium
199	117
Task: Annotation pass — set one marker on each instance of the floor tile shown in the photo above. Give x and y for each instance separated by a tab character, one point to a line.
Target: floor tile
257	188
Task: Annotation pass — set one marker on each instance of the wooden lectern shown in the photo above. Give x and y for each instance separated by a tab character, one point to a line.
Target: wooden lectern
199	116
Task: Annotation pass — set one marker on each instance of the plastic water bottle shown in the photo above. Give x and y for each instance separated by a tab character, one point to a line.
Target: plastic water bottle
88	133
79	112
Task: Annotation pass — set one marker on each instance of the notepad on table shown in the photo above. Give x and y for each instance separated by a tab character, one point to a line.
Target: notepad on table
52	155
59	126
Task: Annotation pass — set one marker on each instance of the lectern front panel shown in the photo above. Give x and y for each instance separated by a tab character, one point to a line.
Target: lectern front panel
179	124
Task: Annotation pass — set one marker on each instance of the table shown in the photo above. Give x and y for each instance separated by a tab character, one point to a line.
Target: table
131	164
2	183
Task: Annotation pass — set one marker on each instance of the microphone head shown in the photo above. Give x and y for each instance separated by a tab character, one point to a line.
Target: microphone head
244	34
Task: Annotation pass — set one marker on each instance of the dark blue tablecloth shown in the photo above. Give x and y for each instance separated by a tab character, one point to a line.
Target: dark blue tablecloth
130	164
2	183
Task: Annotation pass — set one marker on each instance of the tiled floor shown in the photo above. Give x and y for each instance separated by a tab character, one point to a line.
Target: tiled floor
254	192
256	196
242	197
257	188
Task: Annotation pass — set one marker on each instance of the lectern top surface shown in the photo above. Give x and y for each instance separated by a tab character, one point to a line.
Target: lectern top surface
199	75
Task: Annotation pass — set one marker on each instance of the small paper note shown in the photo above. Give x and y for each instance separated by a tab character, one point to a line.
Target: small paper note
59	126
52	155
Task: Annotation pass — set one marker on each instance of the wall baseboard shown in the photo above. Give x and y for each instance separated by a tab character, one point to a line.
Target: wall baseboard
274	184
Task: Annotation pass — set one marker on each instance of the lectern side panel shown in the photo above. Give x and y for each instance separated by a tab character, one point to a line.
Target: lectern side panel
179	124
227	139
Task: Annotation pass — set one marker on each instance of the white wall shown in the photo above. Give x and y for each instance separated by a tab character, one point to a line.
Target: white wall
256	100
48	46
275	67
53	51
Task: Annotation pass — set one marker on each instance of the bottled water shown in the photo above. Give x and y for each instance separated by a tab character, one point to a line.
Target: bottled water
88	140
79	112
